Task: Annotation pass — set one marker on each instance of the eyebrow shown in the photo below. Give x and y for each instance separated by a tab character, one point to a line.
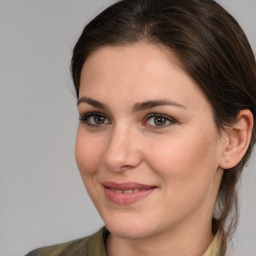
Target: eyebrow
92	102
137	106
154	103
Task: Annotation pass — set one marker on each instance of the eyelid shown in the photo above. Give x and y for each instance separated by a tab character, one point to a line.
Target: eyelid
84	118
171	120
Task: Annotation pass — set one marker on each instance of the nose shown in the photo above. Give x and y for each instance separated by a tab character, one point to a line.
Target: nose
122	152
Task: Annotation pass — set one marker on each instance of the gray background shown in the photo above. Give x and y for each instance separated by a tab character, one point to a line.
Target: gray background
42	197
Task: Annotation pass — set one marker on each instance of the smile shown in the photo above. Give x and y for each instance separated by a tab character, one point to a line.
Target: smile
129	191
126	193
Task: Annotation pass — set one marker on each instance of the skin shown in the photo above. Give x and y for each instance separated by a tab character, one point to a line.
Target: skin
181	156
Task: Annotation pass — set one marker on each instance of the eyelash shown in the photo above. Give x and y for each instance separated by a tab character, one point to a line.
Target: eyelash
159	115
85	119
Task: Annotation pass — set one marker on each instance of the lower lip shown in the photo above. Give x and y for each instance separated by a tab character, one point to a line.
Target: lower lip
126	198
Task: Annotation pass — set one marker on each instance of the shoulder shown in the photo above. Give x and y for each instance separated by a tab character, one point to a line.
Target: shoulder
70	248
90	245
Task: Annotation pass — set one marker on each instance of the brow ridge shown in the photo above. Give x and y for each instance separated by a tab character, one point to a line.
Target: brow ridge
141	106
154	103
91	102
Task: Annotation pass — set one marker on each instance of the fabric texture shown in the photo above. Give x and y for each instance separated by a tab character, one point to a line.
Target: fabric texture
214	247
94	245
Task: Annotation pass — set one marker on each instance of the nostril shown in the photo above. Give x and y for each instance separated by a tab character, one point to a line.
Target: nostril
122	161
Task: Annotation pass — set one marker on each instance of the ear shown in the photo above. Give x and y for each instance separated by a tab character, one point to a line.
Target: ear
237	140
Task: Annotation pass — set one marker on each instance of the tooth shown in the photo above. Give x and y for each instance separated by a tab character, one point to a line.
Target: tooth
119	191
135	190
127	191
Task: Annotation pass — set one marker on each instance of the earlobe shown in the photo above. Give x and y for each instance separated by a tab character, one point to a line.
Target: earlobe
237	140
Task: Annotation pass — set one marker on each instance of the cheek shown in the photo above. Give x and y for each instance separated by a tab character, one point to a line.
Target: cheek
88	153
185	163
187	175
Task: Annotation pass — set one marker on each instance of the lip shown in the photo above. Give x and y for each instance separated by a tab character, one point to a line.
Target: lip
127	193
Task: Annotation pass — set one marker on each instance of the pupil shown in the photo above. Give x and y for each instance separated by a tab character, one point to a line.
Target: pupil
160	121
99	119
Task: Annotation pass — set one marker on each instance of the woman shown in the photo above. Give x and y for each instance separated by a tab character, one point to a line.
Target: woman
167	100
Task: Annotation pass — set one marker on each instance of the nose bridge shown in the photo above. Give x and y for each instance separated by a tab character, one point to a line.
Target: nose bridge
122	152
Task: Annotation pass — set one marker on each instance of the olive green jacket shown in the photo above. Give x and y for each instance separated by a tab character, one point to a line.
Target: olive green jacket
94	245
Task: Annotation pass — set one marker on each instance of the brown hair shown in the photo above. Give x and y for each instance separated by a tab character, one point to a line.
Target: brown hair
214	51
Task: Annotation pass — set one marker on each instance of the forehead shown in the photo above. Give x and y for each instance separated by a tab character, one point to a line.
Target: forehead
138	72
140	55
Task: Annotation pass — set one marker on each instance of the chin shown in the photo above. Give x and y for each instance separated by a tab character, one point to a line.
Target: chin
129	228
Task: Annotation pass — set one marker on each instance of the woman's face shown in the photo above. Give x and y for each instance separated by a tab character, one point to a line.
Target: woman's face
147	146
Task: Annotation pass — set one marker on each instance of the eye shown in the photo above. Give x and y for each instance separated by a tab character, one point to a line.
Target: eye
158	121
94	119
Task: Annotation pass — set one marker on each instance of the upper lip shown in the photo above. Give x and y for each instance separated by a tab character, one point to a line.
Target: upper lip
126	185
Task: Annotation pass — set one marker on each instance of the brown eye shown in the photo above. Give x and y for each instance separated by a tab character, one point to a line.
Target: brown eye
99	119
160	121
94	119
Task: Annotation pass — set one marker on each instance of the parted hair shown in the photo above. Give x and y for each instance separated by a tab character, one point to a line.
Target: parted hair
213	50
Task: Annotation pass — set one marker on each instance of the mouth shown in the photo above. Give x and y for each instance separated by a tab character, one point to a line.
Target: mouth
126	193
